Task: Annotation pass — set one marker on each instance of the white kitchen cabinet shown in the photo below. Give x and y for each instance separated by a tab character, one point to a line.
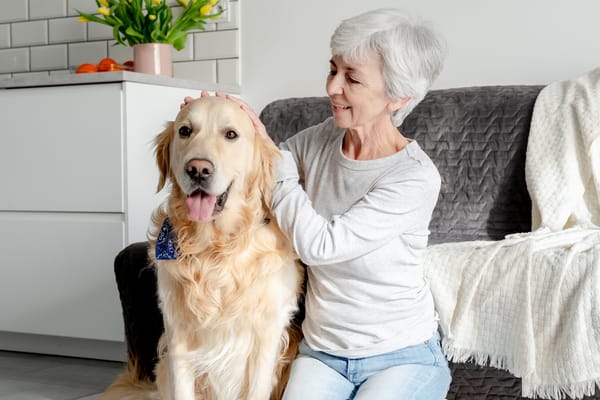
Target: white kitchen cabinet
77	184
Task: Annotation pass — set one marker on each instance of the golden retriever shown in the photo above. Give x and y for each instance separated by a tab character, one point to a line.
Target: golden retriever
232	287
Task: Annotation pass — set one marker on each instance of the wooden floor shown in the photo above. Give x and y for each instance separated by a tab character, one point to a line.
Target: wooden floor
25	376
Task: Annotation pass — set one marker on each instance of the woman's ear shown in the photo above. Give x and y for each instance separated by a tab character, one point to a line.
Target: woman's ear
395	105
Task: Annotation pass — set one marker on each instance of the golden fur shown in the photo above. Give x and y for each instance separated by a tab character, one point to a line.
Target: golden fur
228	298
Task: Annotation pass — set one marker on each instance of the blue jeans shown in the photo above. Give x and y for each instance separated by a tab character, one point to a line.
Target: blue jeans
417	372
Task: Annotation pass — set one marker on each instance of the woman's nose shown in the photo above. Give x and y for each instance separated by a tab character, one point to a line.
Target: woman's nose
333	86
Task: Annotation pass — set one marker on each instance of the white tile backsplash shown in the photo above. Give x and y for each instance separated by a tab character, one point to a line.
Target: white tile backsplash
4	36
49	57
89	52
13	10
98	31
47	8
231	17
14	60
38	37
205	71
187	53
29	33
64	30
86	6
228	72
214	45
120	53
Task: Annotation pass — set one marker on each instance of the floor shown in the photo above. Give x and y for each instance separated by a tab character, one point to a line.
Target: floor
25	376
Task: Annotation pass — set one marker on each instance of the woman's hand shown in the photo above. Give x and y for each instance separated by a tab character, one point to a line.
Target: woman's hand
258	125
188	99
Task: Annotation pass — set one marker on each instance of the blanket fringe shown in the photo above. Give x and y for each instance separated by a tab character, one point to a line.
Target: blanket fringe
577	390
574	390
480	358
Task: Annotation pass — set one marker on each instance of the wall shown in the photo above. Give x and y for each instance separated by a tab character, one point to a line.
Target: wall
285	45
41	37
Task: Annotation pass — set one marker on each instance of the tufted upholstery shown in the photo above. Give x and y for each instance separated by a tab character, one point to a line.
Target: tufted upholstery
477	138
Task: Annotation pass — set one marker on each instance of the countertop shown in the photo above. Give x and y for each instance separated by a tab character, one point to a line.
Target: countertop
111	77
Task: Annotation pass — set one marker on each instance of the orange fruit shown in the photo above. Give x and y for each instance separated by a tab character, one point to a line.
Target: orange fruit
108	64
86	68
128	65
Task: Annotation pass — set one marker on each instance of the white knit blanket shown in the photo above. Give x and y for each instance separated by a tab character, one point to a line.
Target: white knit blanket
563	154
530	303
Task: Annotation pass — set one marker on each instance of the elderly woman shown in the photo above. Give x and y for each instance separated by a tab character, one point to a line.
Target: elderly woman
355	197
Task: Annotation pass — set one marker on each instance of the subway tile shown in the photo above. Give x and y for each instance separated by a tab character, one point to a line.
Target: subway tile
96	31
13	10
232	18
228	72
90	52
119	52
86	6
47	8
29	33
49	57
205	71
4	36
212	45
66	30
187	53
14	60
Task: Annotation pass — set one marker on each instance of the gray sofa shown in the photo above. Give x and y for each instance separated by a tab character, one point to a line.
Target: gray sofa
476	136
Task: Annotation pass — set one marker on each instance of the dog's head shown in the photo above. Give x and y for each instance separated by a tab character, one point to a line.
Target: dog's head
214	158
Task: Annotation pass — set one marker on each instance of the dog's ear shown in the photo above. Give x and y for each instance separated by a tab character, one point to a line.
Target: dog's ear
267	155
162	151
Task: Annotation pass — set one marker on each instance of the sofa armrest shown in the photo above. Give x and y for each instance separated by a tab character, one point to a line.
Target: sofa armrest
136	282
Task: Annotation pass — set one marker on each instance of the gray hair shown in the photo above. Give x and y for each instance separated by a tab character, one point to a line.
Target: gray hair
411	52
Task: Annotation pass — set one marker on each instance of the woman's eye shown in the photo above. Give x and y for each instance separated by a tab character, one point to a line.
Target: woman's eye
332	73
185	131
352	80
231	135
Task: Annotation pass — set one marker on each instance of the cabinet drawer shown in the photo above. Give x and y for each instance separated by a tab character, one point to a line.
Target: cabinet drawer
57	274
62	149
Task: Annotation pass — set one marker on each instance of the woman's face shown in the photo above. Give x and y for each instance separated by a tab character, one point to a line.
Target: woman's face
357	93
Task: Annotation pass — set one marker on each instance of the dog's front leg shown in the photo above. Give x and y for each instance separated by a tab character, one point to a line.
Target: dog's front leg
268	354
181	373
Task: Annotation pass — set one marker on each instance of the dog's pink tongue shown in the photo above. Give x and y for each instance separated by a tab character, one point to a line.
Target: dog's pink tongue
200	207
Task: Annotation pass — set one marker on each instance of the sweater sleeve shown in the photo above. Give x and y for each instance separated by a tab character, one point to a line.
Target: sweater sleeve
393	208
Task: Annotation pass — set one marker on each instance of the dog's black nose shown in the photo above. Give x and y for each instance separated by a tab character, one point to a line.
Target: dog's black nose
199	169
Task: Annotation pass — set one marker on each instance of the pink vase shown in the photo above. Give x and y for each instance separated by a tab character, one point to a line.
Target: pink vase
153	58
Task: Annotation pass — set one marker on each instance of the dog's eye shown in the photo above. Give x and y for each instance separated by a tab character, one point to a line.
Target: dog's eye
185	131
231	135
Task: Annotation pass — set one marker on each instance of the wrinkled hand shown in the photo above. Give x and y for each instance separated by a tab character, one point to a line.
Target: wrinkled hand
258	125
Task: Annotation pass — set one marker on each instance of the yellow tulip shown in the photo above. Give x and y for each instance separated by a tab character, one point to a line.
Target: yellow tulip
151	17
83	19
204	10
104	3
213	2
104	11
183	2
157	2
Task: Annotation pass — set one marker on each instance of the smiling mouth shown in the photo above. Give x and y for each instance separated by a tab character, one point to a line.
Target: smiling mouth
339	106
203	206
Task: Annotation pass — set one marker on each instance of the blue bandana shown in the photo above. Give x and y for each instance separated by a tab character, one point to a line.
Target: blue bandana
166	243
